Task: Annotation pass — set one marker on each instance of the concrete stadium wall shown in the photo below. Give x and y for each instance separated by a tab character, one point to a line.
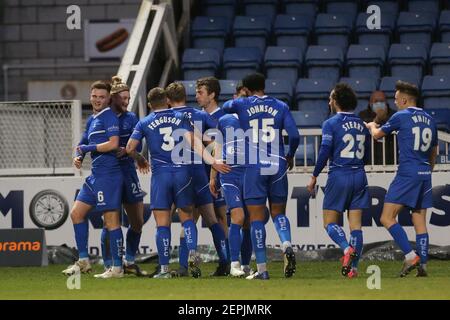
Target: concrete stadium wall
35	32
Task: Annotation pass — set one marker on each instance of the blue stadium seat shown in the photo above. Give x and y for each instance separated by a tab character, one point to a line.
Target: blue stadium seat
219	8
306	7
313	94
407	60
283	63
293	30
442	117
227	90
387	85
415	27
346	7
333	29
191	101
280	89
382	36
365	61
210	32
199	63
386	6
251	32
238	62
305	119
436	92
266	8
363	87
324	62
429	6
440	59
444	26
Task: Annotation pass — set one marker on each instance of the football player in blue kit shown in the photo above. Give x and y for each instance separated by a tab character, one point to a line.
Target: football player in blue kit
202	121
411	187
232	187
207	95
346	143
263	118
132	195
102	189
172	180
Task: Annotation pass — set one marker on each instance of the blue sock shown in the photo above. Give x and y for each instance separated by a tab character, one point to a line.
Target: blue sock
219	242
116	244
183	253
163	244
337	235
133	239
258	232
235	241
106	251
283	227
246	248
422	242
227	247
400	237
190	234
356	241
81	238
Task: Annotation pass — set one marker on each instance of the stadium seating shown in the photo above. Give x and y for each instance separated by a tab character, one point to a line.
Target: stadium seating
199	63
219	8
415	27
238	62
363	88
306	7
324	62
444	26
313	94
283	63
440	59
346	7
436	92
387	85
442	117
428	6
227	90
251	31
365	61
309	119
266	8
333	29
386	6
293	30
210	32
382	36
280	89
191	101
407	60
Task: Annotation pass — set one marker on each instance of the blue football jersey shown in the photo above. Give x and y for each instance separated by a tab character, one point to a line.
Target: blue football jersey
103	126
264	118
349	140
84	137
202	121
417	135
233	145
158	129
127	123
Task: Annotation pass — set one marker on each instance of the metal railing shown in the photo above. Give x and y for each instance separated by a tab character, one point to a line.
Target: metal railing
302	165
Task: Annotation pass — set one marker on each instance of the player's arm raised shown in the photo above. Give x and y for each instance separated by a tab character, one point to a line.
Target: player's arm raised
375	131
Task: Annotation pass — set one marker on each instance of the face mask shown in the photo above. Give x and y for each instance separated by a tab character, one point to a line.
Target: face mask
378	105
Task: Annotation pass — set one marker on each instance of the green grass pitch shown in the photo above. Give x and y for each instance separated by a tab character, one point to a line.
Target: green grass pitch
313	280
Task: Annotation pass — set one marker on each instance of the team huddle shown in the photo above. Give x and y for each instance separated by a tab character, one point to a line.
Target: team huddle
231	160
